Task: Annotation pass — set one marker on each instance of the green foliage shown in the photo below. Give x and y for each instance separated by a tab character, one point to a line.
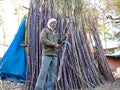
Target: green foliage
112	5
116	4
112	9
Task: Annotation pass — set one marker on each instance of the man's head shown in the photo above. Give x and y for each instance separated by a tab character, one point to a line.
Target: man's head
52	23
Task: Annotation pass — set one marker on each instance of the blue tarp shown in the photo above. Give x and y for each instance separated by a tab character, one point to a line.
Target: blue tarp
114	55
13	63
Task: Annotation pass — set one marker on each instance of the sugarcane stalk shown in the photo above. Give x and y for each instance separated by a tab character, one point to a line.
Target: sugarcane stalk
63	52
62	61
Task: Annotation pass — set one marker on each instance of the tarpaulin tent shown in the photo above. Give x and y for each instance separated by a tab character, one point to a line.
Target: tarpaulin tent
13	63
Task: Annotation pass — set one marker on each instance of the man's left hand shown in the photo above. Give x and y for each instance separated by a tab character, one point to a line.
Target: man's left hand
67	34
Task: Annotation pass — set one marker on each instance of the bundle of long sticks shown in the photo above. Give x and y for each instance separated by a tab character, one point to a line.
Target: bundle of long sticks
80	70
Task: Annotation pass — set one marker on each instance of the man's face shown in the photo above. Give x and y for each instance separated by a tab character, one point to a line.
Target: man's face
53	25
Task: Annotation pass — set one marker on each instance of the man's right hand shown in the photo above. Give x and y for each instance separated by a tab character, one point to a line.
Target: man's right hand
58	46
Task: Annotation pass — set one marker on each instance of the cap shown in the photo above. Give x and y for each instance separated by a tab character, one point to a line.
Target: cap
51	20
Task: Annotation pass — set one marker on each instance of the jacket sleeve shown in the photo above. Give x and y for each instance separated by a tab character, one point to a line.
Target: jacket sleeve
44	40
62	41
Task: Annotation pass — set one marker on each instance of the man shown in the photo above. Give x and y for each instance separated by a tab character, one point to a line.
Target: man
50	45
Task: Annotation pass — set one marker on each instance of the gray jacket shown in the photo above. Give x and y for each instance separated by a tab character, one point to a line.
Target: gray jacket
49	41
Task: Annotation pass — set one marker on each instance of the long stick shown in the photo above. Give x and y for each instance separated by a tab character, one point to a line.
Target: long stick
63	53
62	60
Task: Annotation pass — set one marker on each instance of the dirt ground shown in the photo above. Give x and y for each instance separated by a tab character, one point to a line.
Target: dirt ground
7	85
112	86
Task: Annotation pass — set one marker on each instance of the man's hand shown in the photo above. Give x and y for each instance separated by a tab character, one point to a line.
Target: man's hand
67	34
58	46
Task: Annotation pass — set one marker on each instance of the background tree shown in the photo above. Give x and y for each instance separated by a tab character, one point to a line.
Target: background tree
14	12
107	27
112	14
2	29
